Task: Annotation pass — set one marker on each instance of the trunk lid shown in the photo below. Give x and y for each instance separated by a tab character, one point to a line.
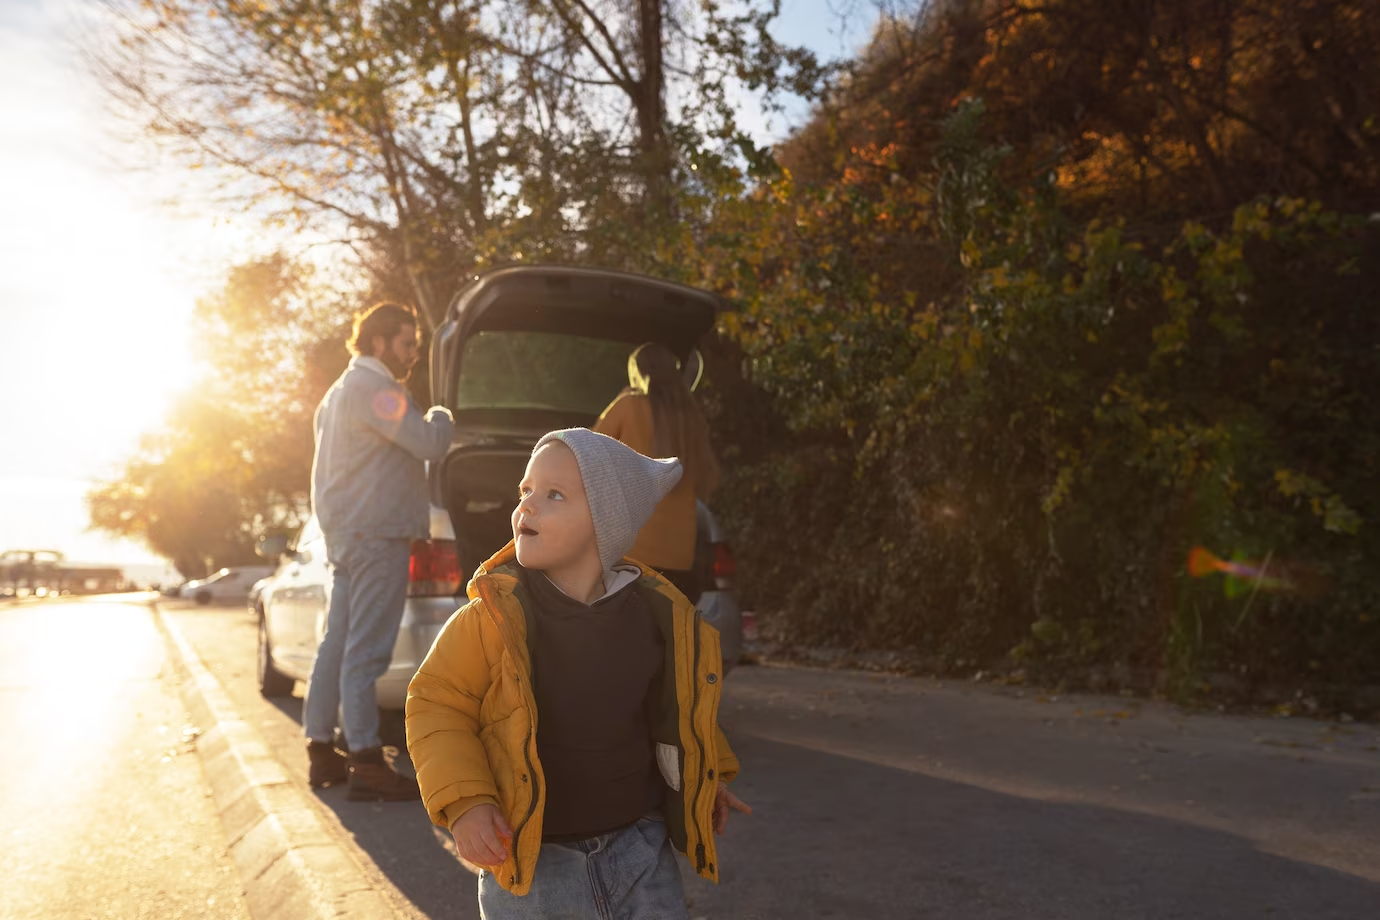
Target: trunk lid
525	350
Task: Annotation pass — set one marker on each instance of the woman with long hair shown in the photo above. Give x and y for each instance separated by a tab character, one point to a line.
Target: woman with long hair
657	416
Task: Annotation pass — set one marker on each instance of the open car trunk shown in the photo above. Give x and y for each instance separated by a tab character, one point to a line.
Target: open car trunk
481	487
531	349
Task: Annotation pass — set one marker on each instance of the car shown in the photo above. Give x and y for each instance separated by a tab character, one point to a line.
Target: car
528	349
291	609
521	351
717	601
229	585
257	591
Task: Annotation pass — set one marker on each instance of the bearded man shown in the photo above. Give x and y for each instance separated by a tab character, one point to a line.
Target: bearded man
369	492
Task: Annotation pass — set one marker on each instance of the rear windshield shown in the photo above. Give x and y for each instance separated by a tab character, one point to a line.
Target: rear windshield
541	370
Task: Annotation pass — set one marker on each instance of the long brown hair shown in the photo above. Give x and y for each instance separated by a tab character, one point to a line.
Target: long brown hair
679	428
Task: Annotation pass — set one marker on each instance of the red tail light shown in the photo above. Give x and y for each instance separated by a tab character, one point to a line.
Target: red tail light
434	569
725	568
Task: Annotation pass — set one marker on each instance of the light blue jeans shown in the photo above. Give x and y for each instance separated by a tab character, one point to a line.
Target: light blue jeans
627	875
368	591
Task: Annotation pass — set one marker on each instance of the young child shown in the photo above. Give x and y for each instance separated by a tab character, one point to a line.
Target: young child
565	724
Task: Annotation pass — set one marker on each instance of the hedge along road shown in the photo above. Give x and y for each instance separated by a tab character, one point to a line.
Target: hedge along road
882	797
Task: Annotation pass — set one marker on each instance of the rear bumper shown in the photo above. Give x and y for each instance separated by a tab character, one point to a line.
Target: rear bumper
423	618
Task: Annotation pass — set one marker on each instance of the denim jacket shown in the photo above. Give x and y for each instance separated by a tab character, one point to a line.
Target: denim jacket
369	474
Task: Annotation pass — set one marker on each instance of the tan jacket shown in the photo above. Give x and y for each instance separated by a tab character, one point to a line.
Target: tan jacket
667	540
472	720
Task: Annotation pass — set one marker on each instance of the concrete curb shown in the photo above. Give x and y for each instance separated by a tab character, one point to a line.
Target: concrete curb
289	863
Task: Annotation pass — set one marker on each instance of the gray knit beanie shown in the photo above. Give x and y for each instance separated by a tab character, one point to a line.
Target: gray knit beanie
623	487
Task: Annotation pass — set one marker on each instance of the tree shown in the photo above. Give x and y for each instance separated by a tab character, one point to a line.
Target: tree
639	53
430	138
1020	391
233	460
1164	110
357	120
437	136
189	492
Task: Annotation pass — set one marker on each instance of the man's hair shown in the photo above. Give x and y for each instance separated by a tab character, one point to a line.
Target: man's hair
385	319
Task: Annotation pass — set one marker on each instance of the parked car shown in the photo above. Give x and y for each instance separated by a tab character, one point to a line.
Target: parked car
521	351
291	608
257	591
524	350
226	586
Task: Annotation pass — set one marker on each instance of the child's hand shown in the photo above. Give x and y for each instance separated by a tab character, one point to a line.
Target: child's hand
723	801
482	836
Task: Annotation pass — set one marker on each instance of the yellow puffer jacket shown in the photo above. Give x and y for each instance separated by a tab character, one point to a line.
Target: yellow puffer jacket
472	719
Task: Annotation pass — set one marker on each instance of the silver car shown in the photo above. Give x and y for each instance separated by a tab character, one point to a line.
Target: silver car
522	351
291	609
230	585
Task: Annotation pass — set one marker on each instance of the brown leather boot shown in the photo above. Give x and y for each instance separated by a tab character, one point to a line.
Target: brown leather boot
373	779
328	766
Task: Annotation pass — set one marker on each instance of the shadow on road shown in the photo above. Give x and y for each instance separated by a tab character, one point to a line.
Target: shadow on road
841	837
833	836
399	838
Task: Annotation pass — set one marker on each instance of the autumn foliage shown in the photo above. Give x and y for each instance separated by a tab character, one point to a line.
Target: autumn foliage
1049	295
1041	297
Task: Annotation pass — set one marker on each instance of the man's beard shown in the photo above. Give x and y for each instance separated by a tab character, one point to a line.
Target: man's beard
396	367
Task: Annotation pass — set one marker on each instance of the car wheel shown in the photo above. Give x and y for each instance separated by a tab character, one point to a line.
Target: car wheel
203	598
272	682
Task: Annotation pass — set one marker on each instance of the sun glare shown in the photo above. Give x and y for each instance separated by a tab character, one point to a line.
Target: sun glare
98	281
100	278
102	317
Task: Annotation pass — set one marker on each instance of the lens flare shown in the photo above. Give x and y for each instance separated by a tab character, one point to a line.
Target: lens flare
1242	575
1202	562
390	405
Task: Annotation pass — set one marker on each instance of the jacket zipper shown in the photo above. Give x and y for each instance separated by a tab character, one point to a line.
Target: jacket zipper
531	807
700	860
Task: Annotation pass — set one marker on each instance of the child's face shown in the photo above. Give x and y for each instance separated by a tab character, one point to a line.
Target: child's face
552	524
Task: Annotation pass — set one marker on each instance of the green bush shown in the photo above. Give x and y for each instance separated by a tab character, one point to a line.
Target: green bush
1011	454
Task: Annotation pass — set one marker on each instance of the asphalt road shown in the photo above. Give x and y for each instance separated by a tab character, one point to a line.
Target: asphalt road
882	797
888	798
103	806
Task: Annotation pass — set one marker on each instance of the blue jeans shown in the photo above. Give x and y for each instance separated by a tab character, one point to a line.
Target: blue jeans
627	875
368	591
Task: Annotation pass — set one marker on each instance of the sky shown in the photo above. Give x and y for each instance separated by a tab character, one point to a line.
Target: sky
100	268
